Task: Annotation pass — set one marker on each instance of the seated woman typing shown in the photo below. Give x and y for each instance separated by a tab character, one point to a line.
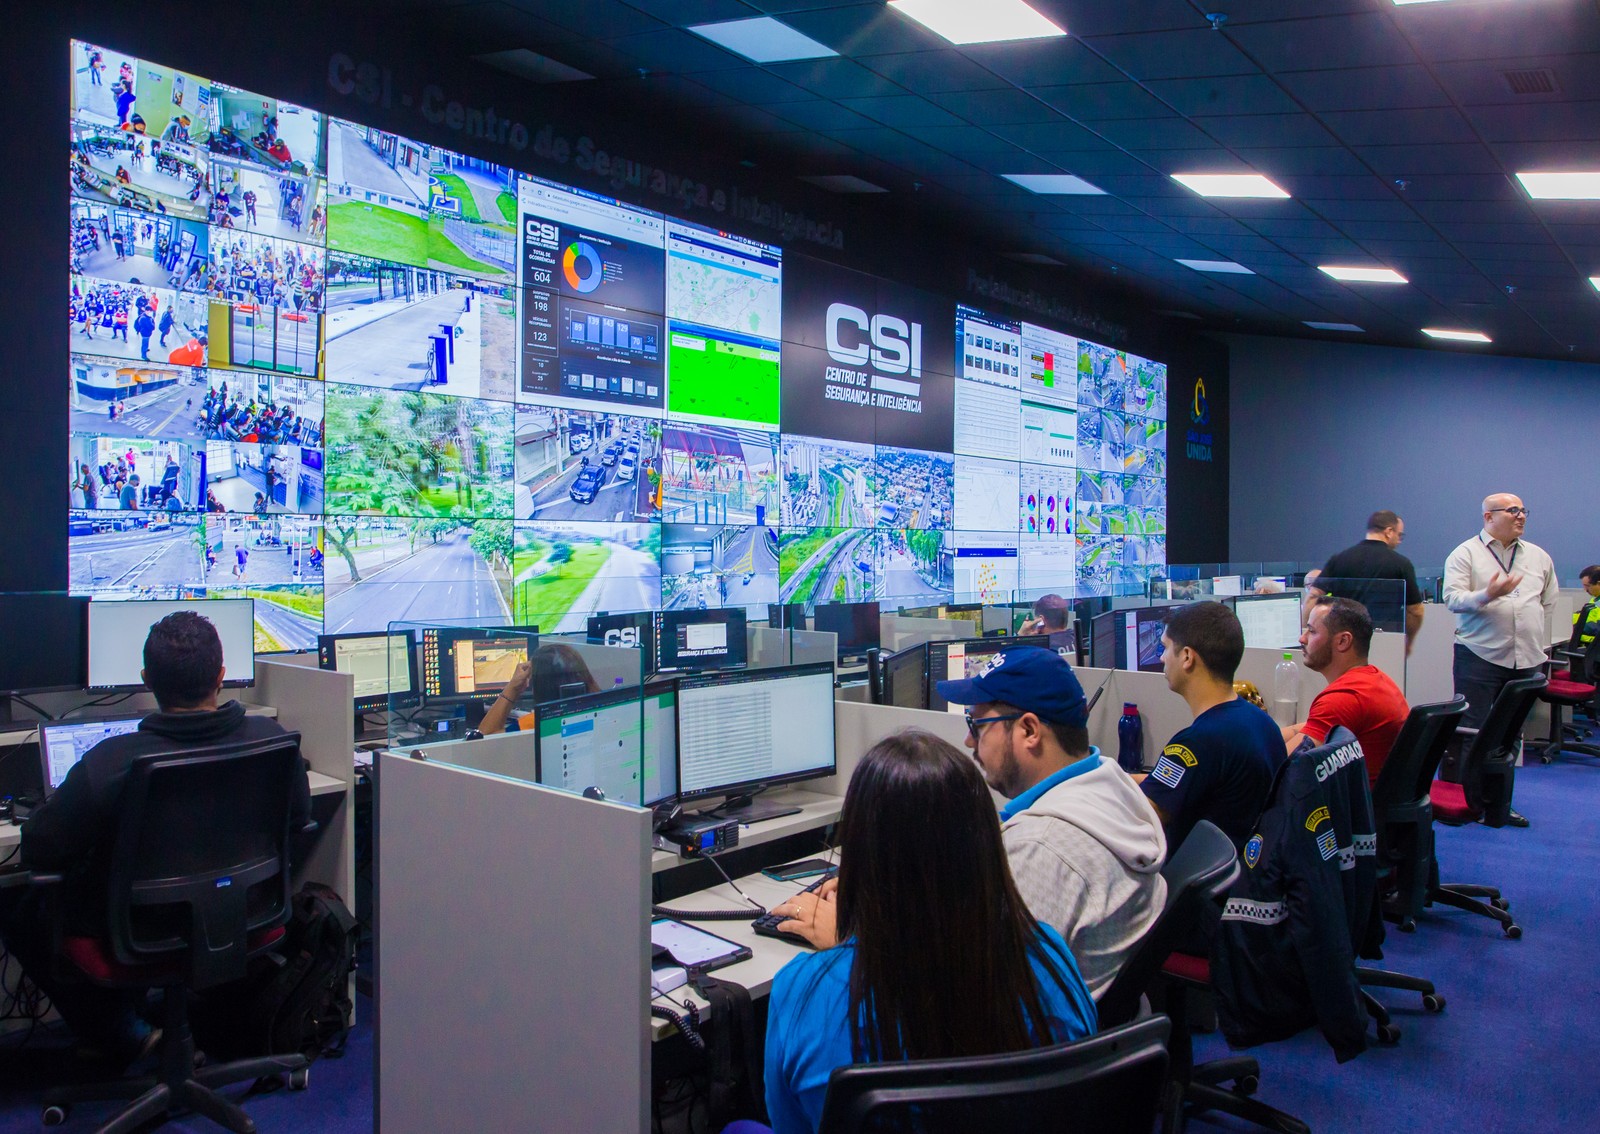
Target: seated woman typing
939	956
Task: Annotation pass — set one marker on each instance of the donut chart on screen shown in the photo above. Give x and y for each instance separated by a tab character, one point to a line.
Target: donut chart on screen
580	263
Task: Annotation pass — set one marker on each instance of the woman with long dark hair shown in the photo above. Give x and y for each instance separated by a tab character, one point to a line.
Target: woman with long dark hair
938	955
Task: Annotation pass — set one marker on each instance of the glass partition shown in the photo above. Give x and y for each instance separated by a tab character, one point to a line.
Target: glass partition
1385	599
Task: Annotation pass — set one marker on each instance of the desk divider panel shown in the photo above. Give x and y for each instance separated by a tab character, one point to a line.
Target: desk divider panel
514	949
510	754
901	630
319	704
1162	710
1429	669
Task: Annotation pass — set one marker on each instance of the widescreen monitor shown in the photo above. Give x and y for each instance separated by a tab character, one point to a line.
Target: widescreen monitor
41	642
63	743
117	630
660	745
384	666
969	657
787	615
1270	622
1103	651
856	624
471	664
744	729
593	741
689	640
1141	635
905	678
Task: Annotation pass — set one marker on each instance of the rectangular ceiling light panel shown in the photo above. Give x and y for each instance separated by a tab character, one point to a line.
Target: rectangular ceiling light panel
763	40
1224	267
1576	186
965	21
1335	327
1053	183
1362	275
1229	184
1456	336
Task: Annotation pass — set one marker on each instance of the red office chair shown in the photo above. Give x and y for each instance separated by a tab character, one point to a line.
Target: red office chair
1572	688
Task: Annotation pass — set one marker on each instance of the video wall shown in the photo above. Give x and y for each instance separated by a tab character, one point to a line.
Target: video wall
363	379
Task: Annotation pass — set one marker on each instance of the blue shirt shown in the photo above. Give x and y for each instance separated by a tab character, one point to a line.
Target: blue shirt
1028	798
808	1026
1220	768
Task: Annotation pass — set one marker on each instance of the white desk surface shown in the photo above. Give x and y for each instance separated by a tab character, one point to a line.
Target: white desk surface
816	810
11	833
767	954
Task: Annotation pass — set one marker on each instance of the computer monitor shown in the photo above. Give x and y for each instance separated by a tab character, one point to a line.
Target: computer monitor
63	743
905	678
744	730
786	615
856	624
594	740
383	664
689	640
968	657
118	628
41	644
1270	622
634	630
660	746
1142	631
1103	640
468	664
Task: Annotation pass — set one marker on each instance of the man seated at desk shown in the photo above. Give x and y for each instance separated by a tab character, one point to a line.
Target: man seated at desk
74	831
1359	696
1083	844
1220	768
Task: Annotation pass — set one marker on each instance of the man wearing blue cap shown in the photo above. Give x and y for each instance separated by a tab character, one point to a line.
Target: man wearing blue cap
1085	846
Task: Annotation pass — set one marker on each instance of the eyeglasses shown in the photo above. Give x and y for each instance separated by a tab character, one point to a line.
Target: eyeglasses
974	722
1523	512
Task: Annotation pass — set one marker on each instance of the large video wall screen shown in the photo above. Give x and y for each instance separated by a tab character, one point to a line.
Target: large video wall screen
364	379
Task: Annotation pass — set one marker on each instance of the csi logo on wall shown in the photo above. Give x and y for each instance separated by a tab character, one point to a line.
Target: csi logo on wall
1199	443
858	364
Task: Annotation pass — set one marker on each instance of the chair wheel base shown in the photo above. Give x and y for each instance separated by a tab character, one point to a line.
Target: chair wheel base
1500	903
54	1115
1514	931
1388	1035
1433	1003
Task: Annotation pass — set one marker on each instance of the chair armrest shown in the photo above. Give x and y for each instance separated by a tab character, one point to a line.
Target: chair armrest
30	878
1466	730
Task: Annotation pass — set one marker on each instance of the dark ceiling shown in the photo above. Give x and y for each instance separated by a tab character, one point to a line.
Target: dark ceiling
1395	130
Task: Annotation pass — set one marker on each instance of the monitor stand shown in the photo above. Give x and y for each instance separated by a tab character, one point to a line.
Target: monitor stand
746	809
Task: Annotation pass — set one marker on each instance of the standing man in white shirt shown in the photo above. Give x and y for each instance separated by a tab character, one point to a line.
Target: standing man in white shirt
1501	589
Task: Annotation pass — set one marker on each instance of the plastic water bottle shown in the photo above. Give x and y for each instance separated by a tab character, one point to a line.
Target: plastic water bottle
1130	738
1286	691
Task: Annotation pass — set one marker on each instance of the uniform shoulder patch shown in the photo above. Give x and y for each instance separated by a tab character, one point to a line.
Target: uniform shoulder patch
1179	752
1317	818
1252	851
1167	771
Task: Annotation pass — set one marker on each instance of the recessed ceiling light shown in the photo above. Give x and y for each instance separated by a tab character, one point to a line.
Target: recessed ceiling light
763	39
962	21
1334	327
1457	336
1226	267
1362	275
1229	184
1596	281
1053	183
1403	3
1562	186
843	183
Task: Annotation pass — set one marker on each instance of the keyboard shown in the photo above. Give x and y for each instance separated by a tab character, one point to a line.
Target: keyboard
767	924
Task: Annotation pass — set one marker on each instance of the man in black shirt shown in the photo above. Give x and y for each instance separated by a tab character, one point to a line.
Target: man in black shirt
1375	557
74	831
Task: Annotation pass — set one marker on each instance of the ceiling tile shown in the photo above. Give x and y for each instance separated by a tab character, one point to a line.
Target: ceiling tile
1356	40
684	13
753	85
1319	161
1043	62
1224	94
1481	82
598	19
1267	131
968	141
678	52
1057	135
822	114
835	78
1173	54
1365	88
1154	134
929	72
1417	126
1543	122
1499	31
902	111
1417	161
864	29
997	108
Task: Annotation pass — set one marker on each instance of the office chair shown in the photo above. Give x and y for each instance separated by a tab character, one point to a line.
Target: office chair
1109	1083
1572	687
1208	856
1488	774
1404	814
199	885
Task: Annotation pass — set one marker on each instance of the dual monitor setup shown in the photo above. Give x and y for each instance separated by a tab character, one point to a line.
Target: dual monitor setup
1131	638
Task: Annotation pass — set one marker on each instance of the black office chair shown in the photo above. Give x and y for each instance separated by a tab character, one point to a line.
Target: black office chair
1487	774
199	885
1404	814
1574	688
1199	874
1109	1083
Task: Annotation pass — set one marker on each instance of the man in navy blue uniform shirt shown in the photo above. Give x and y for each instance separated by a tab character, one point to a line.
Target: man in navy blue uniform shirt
1220	767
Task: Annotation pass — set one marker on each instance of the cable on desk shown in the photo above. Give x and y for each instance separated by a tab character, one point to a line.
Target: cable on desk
756	908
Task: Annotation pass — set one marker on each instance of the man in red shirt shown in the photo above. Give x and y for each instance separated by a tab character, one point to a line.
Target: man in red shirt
1359	696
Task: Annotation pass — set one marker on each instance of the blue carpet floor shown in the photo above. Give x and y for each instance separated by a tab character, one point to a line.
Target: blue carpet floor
1514	1049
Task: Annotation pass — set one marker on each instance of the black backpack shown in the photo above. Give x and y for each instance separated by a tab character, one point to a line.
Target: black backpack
295	998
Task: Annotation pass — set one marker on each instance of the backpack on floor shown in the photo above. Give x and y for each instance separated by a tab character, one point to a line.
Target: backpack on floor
296	998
